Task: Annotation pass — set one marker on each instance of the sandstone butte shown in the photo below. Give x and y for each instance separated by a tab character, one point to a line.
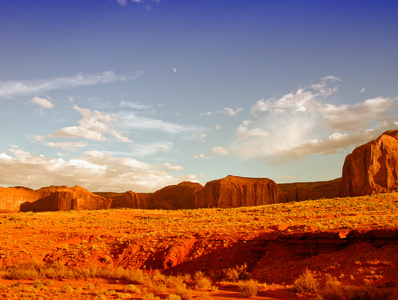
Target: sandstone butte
50	199
372	168
129	199
233	191
180	196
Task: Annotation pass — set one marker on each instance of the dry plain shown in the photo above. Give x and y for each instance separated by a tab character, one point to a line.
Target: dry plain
347	244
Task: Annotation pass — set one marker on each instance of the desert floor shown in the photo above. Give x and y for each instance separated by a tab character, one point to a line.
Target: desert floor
145	254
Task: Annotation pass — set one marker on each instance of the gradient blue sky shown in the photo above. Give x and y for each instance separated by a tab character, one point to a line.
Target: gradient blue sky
136	95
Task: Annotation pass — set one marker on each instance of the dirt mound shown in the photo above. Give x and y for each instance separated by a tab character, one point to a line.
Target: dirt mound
233	191
372	167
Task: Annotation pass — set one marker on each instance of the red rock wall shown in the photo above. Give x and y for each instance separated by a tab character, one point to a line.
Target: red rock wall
130	200
180	196
235	191
301	191
12	198
372	167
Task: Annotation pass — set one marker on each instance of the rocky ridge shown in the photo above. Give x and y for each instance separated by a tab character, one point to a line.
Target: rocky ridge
370	168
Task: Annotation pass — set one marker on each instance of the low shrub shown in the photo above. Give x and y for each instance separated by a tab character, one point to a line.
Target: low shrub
306	282
131	288
332	290
183	291
173	297
367	292
248	289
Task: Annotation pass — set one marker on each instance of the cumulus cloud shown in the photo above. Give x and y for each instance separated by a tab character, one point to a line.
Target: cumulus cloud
355	117
230	111
42	102
208	113
93	126
243	131
302	123
94	170
303	100
9	89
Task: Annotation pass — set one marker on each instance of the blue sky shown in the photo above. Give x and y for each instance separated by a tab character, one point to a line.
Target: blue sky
136	95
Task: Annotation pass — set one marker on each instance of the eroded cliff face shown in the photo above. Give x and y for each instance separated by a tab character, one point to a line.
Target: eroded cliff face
11	198
300	191
180	196
233	191
130	200
372	167
60	198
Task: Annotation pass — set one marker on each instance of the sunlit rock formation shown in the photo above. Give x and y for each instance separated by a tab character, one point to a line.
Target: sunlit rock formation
233	191
180	196
129	199
372	167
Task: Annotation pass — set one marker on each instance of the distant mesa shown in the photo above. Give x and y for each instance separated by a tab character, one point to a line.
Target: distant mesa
300	191
370	168
129	200
180	196
233	191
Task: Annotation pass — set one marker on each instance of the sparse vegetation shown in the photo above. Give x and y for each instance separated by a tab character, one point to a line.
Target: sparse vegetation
248	289
306	282
87	245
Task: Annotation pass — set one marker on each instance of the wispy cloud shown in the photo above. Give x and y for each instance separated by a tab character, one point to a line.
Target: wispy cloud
94	126
9	89
42	102
230	111
68	146
132	120
94	170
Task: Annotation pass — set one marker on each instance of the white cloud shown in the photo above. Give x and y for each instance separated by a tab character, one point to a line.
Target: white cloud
136	106
220	150
69	146
10	89
95	171
230	111
94	125
302	123
363	90
243	132
355	117
202	156
122	2
202	137
42	102
151	148
324	87
208	113
174	70
131	120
